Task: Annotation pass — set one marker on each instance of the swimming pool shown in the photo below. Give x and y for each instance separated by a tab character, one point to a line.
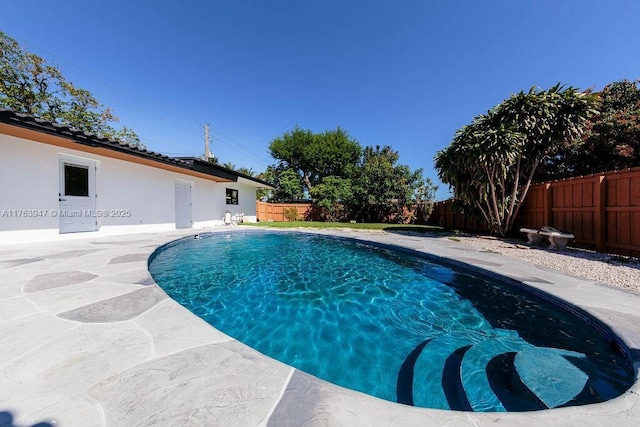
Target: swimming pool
392	324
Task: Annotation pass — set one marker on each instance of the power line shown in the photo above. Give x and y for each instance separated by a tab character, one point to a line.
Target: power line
97	77
239	147
233	143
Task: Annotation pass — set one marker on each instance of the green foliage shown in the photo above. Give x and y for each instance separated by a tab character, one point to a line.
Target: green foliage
128	136
246	171
345	181
382	189
288	186
611	140
287	182
29	85
315	156
229	165
394	228
211	159
268	176
423	201
291	214
491	162
332	196
290	150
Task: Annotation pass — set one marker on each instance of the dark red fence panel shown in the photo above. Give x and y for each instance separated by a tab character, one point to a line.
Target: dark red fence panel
601	210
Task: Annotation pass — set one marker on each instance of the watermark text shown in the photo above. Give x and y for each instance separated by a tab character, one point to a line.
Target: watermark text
65	213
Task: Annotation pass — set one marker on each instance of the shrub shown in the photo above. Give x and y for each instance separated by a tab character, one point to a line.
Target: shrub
291	214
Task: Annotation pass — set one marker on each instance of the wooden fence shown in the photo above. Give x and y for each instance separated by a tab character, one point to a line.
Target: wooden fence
276	211
601	210
444	215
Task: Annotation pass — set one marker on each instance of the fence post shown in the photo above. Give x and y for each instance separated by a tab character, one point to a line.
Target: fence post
600	214
548	205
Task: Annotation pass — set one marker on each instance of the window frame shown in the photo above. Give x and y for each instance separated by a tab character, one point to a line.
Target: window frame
232	196
76	180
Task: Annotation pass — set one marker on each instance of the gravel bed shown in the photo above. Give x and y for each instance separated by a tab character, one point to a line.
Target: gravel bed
616	270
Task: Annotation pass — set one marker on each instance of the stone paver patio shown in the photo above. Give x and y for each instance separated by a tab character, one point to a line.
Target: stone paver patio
89	339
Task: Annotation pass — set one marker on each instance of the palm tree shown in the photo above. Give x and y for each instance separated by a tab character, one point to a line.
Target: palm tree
229	165
491	162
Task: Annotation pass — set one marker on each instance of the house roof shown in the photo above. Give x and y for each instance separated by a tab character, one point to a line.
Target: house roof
29	122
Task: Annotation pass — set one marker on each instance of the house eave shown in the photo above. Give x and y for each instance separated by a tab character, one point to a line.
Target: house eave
75	139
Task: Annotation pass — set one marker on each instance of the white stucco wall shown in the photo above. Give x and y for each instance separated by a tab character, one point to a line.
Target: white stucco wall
246	200
29	180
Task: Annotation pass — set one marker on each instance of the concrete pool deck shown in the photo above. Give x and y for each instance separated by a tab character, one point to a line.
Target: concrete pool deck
89	339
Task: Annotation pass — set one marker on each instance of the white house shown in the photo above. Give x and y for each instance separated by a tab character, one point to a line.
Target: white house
58	183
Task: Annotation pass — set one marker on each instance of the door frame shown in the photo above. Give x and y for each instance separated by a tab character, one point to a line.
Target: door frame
182	182
86	221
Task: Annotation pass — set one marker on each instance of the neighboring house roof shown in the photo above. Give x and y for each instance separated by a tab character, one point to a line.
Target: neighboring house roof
29	122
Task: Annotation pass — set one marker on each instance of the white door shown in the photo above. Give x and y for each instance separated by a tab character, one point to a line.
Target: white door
77	196
183	204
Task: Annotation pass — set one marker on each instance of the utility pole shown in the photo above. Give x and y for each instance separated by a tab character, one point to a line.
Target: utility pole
207	149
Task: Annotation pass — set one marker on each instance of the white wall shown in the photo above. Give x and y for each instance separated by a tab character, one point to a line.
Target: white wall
29	179
246	200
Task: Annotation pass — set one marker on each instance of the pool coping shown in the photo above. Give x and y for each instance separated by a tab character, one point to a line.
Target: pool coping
91	339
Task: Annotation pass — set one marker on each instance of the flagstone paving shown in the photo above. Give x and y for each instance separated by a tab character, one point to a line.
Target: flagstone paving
89	339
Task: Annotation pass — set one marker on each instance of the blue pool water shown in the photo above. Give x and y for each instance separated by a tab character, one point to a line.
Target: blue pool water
392	324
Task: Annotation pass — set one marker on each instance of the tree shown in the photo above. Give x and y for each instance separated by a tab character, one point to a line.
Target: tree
383	189
246	171
333	197
213	160
344	181
290	150
422	201
287	182
128	136
611	140
229	165
29	85
315	156
268	176
491	162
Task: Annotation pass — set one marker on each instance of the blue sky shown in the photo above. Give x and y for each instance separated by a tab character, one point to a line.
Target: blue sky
407	73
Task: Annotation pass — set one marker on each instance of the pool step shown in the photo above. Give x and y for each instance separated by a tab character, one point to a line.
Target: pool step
482	373
506	384
404	384
473	370
552	374
436	374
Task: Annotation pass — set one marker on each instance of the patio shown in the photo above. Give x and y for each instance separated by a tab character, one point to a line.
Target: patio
90	339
